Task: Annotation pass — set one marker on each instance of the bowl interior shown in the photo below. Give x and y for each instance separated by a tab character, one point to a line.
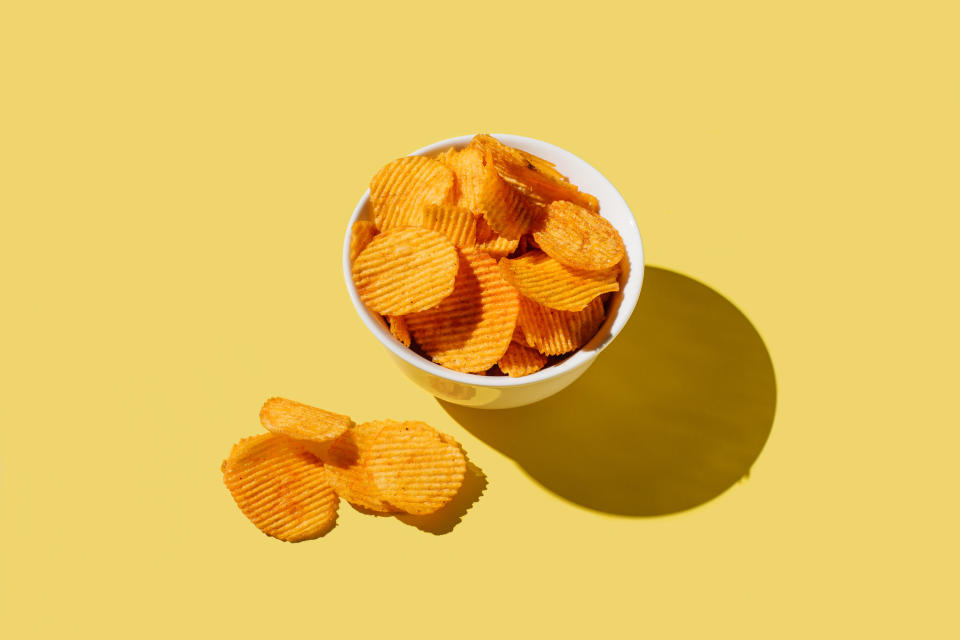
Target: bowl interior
612	207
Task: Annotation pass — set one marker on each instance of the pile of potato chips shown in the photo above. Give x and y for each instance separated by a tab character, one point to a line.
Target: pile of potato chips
288	481
485	259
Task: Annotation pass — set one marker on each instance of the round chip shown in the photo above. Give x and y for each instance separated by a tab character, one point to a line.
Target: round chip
553	332
302	421
555	285
398	327
544	167
347	471
492	243
545	185
518	335
405	269
445	157
506	210
360	236
400	189
578	237
472	327
280	487
457	223
521	361
468	169
415	467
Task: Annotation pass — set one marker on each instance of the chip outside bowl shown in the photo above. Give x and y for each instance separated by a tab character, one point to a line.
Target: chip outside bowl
502	392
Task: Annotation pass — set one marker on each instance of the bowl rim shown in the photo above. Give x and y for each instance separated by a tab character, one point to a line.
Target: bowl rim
607	332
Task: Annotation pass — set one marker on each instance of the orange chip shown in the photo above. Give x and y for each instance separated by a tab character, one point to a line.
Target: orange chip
553	332
518	335
360	236
490	241
455	222
398	327
281	487
447	156
415	467
347	470
508	212
578	237
521	361
543	166
472	327
555	285
399	190
302	421
517	168
467	167
405	269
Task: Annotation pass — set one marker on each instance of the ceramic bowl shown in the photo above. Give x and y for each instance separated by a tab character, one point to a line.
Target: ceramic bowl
501	392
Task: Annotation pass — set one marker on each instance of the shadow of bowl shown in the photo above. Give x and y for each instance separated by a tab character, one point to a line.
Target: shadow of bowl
669	417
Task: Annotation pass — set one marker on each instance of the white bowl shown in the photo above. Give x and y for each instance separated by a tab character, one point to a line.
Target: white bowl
502	392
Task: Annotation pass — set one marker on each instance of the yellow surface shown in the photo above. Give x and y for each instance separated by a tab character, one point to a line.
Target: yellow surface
174	186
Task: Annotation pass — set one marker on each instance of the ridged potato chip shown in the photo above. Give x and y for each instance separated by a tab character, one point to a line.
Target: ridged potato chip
555	285
415	467
472	327
544	166
518	335
457	223
508	212
447	156
398	327
301	421
521	361
347	470
517	169
405	269
280	487
492	243
553	332
468	169
360	236
578	237
400	189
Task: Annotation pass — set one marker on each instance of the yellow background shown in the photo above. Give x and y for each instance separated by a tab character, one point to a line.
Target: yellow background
174	186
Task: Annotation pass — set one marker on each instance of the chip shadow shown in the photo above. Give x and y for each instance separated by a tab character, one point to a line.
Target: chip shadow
444	520
669	417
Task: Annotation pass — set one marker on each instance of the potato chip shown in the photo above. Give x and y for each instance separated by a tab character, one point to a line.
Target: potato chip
553	332
491	242
517	169
521	361
398	327
555	285
280	487
346	466
457	223
360	236
405	269
472	327
467	167
508	212
447	156
543	166
415	467
578	237
399	190
302	421
518	335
